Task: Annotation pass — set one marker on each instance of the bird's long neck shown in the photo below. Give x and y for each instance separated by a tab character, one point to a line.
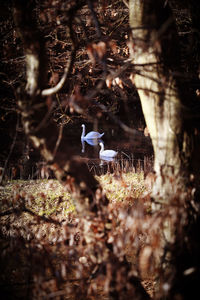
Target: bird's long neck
83	145
102	147
83	132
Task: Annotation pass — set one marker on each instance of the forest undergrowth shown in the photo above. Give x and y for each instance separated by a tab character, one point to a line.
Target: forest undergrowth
43	255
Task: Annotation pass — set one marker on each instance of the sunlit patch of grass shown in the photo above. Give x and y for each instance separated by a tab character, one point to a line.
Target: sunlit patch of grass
43	197
123	187
50	198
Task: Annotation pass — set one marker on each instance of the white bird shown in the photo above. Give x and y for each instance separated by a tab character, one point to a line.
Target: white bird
91	142
90	135
106	153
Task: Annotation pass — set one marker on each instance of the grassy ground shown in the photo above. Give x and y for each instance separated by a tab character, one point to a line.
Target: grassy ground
48	199
44	197
124	187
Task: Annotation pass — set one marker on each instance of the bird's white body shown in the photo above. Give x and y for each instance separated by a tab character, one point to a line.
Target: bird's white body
106	153
91	135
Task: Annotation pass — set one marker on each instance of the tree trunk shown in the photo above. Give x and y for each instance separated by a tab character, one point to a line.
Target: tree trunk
157	68
159	95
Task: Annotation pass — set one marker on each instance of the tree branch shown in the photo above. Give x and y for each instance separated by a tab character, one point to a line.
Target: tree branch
60	84
11	150
20	210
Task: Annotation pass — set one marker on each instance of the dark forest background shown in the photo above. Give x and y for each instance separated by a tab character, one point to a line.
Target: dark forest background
113	102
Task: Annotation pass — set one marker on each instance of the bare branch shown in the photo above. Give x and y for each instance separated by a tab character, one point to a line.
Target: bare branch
20	210
60	84
11	150
58	140
96	21
126	3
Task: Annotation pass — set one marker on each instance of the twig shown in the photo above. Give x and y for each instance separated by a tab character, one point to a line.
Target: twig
44	120
11	150
98	30
60	84
19	211
96	21
126	3
58	141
